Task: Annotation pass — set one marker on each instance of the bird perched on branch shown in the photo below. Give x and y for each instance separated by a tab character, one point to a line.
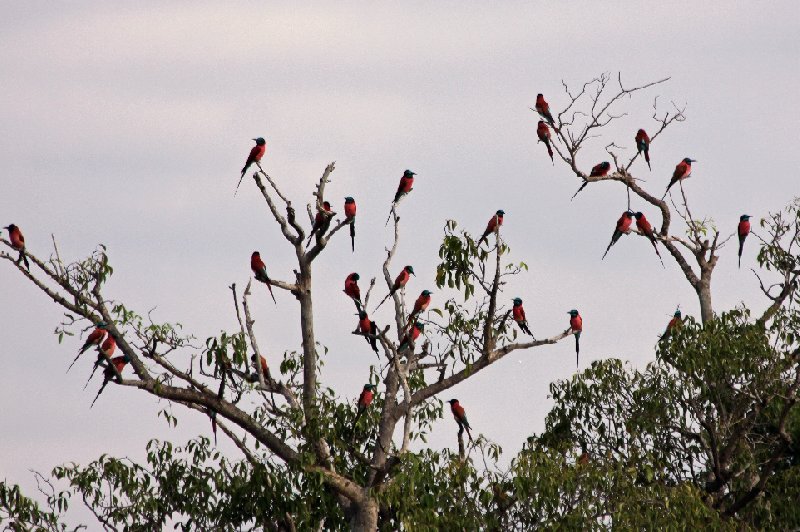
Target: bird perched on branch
117	363
18	242
322	221
410	338
683	170
94	338
264	368
646	229
518	313
543	132
643	145
364	400
352	290
600	170
421	304
543	108
576	326
494	222
256	153
400	281
623	227
369	329
104	354
406	185
461	417
350	217
260	271
743	230
673	325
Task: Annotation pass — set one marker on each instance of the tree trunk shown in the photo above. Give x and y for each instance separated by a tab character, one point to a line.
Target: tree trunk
704	294
365	517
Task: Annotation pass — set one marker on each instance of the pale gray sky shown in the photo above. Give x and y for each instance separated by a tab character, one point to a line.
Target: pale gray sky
127	125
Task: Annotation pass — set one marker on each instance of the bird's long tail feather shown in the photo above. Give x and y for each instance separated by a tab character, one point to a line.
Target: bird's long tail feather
353	235
585	182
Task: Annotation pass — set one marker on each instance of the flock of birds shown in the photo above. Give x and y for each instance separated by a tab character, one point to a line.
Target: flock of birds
113	366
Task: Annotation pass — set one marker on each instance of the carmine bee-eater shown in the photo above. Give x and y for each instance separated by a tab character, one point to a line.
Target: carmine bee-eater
350	217
682	171
260	271
623	227
576	326
598	170
264	368
421	303
543	108
364	400
105	352
410	338
400	281
94	338
351	289
18	243
643	145
108	373
543	132
646	229
518	313
673	325
405	186
369	329
322	221
494	222
460	417
743	230
256	153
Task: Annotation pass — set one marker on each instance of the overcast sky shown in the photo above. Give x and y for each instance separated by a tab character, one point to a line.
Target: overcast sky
127	125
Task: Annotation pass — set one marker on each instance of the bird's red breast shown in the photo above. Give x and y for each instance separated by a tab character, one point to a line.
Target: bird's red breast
494	221
682	170
415	332
644	226
256	264
264	367
119	363
673	323
519	313
365	398
401	279
576	323
458	411
365	325
598	170
350	209
109	346
543	131
406	182
256	153
541	105
744	228
96	336
16	238
351	287
624	223
421	303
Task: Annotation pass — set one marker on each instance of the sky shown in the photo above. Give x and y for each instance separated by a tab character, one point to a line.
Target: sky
127	125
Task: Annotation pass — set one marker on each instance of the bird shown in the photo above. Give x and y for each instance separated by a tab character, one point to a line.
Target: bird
494	222
460	417
743	230
399	282
646	229
94	338
117	363
598	170
260	271
421	303
682	171
351	289
576	326
543	132
406	184
322	221
673	325
410	337
18	243
256	153
543	108
623	227
350	217
369	329
364	400
104	354
264	368
643	145
519	316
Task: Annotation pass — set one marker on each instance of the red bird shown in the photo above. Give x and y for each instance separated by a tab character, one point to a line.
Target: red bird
400	282
543	132
264	368
350	217
543	108
410	338
623	227
18	243
364	400
104	355
369	329
519	316
646	229
260	271
406	184
461	417
600	170
421	304
743	230
351	289
256	153
673	325
108	373
682	171
576	326
322	221
94	338
494	222
643	145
